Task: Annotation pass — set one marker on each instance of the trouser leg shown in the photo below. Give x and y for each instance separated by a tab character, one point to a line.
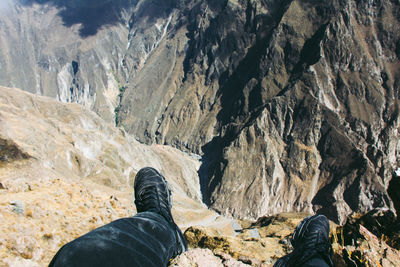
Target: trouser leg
315	262
146	239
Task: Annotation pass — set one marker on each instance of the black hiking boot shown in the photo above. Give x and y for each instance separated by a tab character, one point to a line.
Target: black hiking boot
153	194
310	240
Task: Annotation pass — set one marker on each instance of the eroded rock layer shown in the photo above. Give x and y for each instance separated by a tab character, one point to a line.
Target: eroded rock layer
294	105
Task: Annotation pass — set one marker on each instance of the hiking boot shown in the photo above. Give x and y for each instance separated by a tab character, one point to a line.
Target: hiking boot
153	194
310	240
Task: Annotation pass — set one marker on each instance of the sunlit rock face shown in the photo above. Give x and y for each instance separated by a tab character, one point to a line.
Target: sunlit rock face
308	116
74	142
293	104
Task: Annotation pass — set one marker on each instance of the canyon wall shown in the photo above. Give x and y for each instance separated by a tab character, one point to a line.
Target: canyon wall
293	105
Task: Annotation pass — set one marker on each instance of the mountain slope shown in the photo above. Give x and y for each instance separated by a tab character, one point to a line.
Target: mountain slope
65	171
294	105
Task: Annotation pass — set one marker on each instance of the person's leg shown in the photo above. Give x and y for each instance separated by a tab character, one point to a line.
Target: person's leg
311	244
150	238
316	262
143	240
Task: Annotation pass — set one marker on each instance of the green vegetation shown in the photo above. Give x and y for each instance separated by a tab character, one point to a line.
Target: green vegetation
121	89
118	107
116	112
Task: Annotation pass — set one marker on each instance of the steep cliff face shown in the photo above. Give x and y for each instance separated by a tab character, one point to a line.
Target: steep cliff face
310	115
293	104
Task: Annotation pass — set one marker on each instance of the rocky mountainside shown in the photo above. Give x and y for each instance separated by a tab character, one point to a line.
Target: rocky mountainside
306	105
65	171
78	51
294	105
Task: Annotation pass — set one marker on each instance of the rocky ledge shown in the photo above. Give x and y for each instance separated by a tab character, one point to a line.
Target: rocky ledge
368	240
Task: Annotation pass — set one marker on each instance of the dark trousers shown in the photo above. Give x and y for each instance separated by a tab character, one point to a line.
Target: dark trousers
315	262
145	239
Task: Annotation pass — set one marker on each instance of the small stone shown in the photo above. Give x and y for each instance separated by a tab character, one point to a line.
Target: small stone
254	233
249	260
18	206
285	241
236	226
2	186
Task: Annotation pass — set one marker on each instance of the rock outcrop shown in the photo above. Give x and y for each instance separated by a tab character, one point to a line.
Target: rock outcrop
261	243
294	105
205	257
367	241
258	243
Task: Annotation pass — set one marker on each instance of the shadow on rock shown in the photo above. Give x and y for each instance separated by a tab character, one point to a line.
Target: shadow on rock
95	14
371	239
